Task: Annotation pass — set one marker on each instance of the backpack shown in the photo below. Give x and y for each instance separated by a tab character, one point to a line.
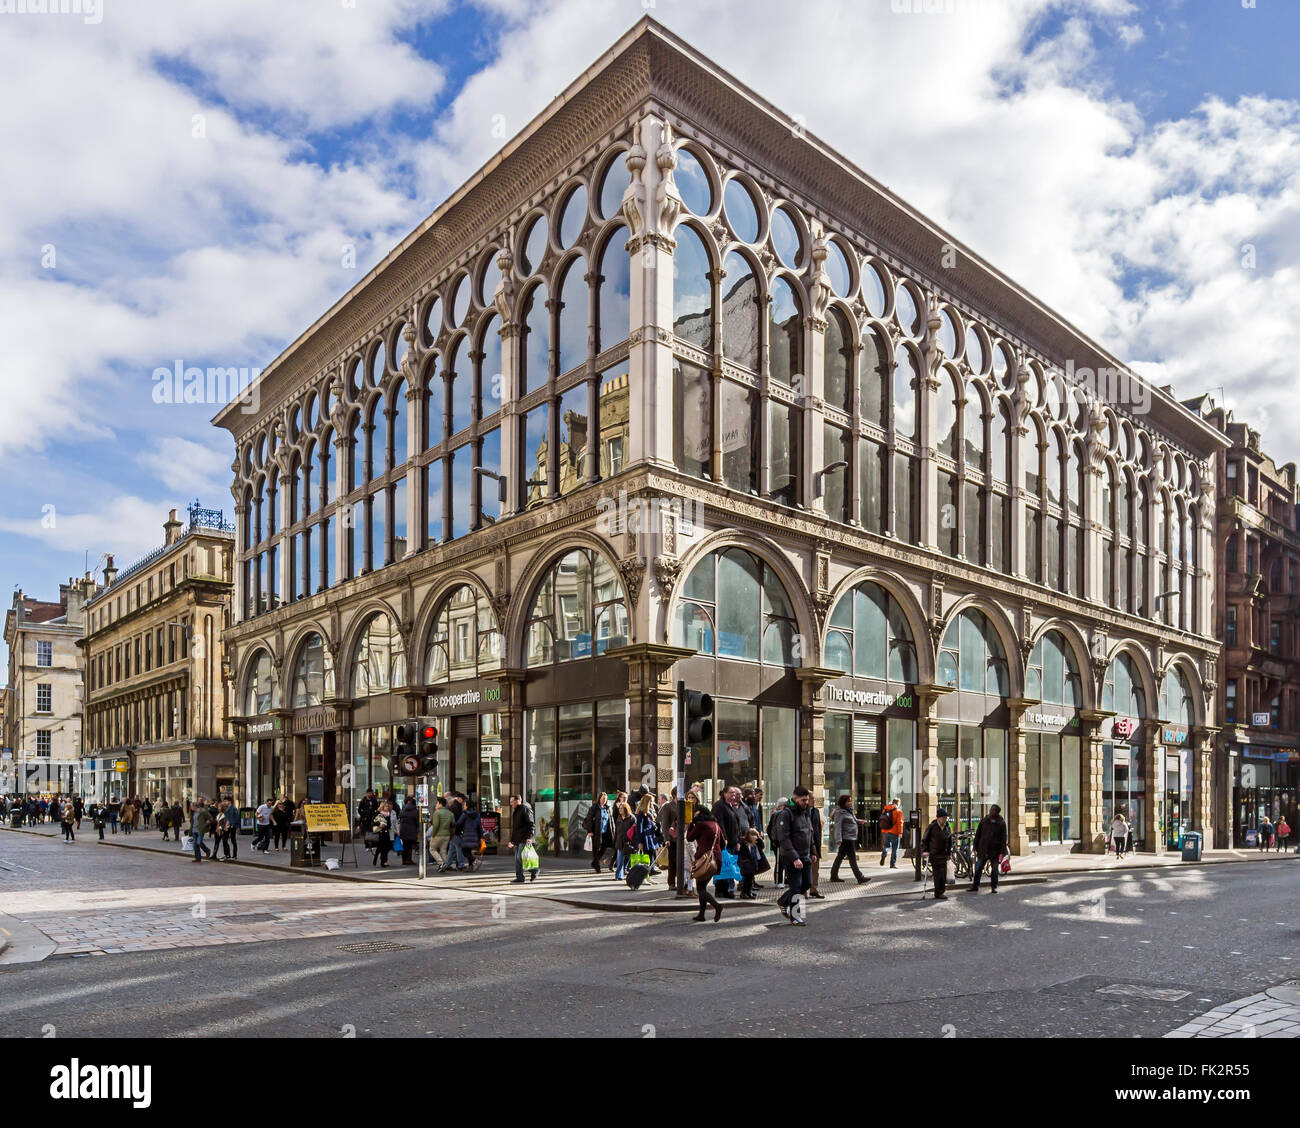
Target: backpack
887	821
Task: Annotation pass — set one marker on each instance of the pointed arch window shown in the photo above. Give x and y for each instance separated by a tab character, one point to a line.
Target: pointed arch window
378	658
734	606
464	641
869	636
577	611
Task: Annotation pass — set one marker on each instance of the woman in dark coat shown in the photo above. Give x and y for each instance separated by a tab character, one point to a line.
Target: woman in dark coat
707	836
600	825
383	828
408	826
469	829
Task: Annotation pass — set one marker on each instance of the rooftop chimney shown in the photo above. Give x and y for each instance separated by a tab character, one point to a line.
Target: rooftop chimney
172	529
110	572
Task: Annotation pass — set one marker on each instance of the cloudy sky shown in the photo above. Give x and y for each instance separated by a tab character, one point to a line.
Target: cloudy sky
183	180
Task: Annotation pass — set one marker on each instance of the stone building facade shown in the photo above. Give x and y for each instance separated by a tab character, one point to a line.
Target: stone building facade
44	700
157	694
837	477
1258	563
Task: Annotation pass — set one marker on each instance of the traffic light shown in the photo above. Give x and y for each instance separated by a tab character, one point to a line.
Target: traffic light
699	708
407	754
428	749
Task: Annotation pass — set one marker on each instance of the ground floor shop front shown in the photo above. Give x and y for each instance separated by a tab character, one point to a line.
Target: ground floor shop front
1265	784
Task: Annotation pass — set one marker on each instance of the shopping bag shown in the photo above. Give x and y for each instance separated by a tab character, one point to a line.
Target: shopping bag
1006	863
639	859
661	857
528	858
587	843
730	870
187	843
397	845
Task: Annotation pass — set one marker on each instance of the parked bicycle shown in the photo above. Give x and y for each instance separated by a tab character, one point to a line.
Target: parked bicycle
963	855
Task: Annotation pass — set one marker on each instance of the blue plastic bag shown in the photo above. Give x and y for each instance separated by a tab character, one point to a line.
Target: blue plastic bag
397	844
730	868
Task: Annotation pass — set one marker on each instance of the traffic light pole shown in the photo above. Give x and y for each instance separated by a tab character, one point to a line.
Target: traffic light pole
680	844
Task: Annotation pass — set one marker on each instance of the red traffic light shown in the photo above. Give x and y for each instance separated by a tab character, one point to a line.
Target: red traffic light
430	733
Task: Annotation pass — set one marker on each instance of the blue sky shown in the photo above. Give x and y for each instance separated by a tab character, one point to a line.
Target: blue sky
188	177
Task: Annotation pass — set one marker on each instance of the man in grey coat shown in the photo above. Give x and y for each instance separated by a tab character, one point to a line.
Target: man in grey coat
200	824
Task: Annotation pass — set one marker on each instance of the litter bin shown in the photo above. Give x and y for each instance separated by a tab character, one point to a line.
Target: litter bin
1191	846
298	849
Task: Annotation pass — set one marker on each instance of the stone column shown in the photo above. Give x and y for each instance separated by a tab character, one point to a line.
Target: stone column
1153	770
1204	816
927	750
651	697
511	711
1093	830
1017	828
812	730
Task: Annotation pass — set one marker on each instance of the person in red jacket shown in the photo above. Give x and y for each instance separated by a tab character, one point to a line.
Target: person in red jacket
891	832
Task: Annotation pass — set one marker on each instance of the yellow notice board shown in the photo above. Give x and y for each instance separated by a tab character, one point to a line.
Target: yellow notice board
323	817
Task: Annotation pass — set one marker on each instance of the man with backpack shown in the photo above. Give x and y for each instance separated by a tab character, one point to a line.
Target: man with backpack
891	832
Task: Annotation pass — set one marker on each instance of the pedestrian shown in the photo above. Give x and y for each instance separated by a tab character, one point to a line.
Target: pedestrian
624	834
383	827
599	823
67	817
749	862
936	844
98	818
795	832
455	860
439	832
178	818
990	845
114	808
200	824
408	828
469	830
78	809
146	812
229	830
1119	833
1265	833
366	811
281	817
1282	833
844	835
522	828
669	821
778	868
726	812
706	836
891	832
127	816
262	836
815	817
646	837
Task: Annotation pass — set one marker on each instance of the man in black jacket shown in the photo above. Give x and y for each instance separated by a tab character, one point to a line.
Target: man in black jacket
793	829
727	811
990	845
937	846
522	828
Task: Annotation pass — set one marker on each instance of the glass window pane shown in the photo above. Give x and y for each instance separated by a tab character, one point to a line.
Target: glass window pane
490	459
835	448
780	750
539	773
692	290
905	386
741	213
785	334
738	606
693	183
693	413
615	290
534	466
536	342
784	454
573	438
613	185
737	737
737	431
462	483
839	362
433	501
740	312
399	519
871	486
574	316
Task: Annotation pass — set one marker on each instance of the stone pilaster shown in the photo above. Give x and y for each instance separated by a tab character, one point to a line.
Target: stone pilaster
513	750
928	783
1153	772
1092	824
651	695
812	730
1017	821
1204	817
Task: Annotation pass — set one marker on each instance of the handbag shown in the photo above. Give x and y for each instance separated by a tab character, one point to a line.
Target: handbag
370	841
1006	863
761	864
661	857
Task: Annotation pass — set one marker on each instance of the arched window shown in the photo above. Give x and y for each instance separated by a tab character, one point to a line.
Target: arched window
574	316
869	636
259	688
734	606
873	381
375	431
692	289
398	446
313	673
971	657
326	467
740	312
490	382
615	290
435	401
1176	699
946	420
972	422
464	641
535	352
839	364
906	387
1052	676
1122	691
785	333
379	658
577	610
350	477
306	503
460	374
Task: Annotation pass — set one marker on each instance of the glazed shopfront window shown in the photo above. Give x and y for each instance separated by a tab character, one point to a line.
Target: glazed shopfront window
570	751
1052	795
872	759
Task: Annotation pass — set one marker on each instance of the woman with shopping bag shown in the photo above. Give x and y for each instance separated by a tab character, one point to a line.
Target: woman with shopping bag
704	833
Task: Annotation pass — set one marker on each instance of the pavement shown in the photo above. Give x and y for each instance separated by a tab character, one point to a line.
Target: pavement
572	882
1146	952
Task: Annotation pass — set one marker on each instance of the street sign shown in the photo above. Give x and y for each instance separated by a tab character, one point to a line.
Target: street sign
1261	719
122	766
323	817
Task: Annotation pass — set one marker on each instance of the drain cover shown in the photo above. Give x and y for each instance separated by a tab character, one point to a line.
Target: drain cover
1288	992
370	947
1137	991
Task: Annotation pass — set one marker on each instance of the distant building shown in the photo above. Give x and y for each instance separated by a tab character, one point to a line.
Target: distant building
43	713
156	697
1258	561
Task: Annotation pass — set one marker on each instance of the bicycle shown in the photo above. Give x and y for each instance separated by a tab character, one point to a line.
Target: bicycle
963	857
